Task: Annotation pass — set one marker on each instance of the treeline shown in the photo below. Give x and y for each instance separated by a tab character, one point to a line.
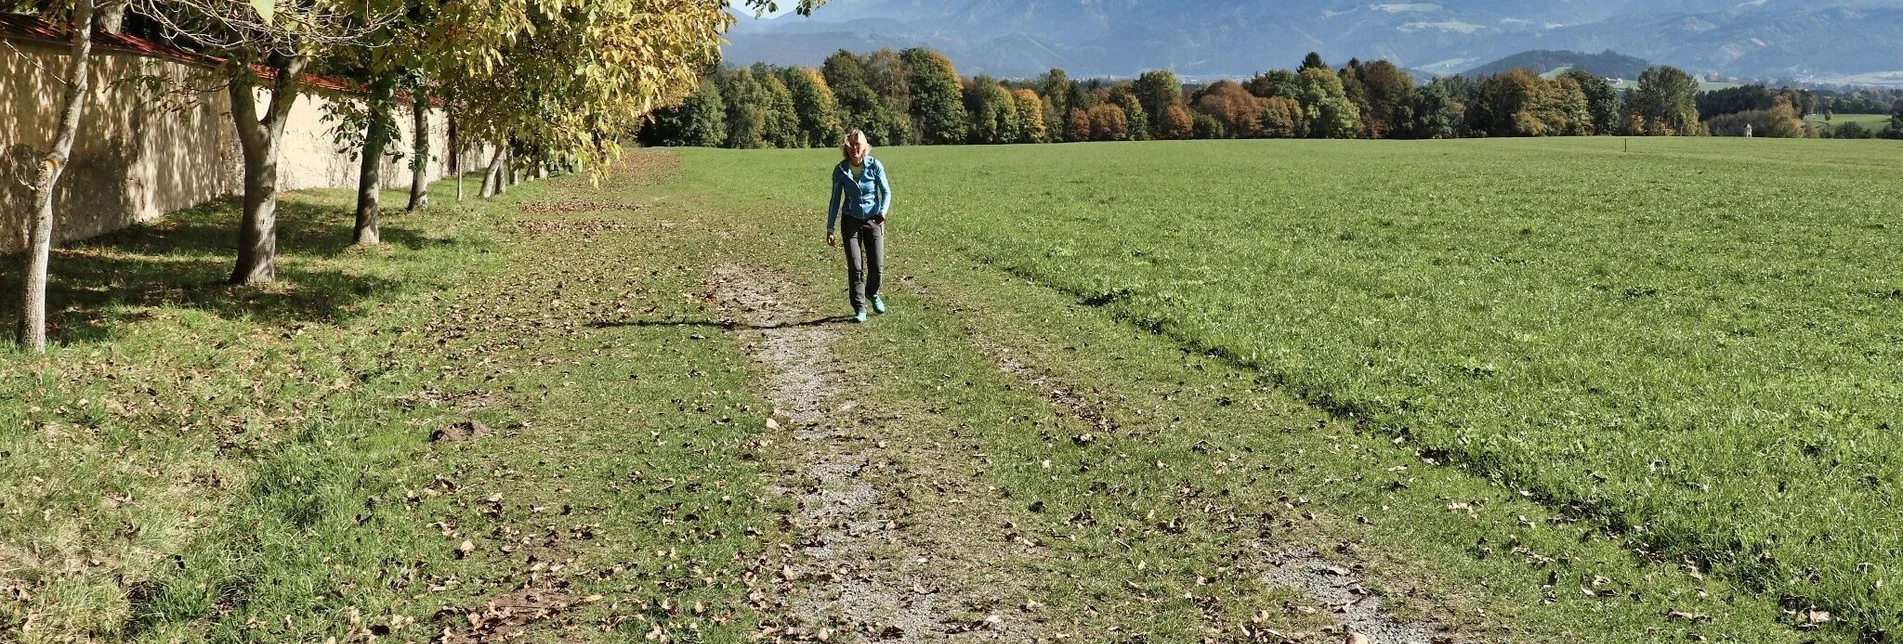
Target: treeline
916	96
1858	101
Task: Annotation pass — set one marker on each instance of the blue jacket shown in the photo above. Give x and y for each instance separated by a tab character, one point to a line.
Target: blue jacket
866	198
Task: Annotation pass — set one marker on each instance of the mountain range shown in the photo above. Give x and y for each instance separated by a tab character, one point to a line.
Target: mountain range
1810	40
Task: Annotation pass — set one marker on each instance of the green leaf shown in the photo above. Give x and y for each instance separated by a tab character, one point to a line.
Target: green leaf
266	9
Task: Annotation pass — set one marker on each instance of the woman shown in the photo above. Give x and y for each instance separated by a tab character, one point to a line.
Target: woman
861	193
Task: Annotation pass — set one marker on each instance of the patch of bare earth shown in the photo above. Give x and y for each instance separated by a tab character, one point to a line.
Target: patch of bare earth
854	574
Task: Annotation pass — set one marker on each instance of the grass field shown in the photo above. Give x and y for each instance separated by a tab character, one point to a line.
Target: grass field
1872	122
1527	390
1693	344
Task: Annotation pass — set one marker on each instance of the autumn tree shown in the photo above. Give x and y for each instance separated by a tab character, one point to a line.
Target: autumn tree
1282	118
1032	128
1108	122
82	19
1239	112
1079	125
1176	123
938	109
1387	98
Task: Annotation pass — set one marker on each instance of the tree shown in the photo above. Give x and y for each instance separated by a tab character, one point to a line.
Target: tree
1276	82
1055	87
1137	121
1239	112
1665	102
938	112
1387	99
1784	121
994	117
419	143
1437	112
863	109
889	77
1155	92
1108	123
1602	101
780	121
394	51
815	106
83	17
1080	125
1896	115
700	121
1312	61
1282	118
280	39
1330	115
1032	127
746	116
1207	127
1176	123
1851	130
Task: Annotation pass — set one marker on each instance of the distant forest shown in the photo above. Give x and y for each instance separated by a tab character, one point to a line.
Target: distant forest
917	97
1606	64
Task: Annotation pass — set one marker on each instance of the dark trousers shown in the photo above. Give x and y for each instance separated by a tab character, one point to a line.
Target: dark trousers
865	255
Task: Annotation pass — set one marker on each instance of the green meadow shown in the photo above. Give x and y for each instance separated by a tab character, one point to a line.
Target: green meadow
1692	345
1583	390
1872	122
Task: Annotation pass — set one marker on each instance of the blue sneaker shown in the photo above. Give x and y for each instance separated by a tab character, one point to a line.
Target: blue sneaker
878	305
859	316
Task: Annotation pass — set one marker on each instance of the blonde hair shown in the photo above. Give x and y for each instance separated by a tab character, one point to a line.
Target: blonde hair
845	147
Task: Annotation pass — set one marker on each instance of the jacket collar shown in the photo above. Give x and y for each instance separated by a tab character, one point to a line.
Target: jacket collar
847	167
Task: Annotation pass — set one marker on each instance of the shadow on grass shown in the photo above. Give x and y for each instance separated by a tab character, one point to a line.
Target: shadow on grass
183	260
724	326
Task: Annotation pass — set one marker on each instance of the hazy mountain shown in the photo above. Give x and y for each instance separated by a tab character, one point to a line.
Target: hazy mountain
1203	38
1607	64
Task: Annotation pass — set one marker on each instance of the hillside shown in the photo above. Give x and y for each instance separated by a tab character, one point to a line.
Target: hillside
1608	64
1811	40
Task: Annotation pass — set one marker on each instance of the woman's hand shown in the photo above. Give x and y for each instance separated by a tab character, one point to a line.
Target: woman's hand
831	239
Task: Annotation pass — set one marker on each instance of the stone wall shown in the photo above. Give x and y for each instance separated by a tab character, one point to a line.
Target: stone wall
157	137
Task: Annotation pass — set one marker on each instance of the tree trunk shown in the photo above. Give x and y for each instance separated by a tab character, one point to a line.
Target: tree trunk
261	141
492	180
508	172
378	129
32	329
456	154
419	149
